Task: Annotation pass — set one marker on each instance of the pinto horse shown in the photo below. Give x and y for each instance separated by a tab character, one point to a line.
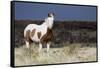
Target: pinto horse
40	33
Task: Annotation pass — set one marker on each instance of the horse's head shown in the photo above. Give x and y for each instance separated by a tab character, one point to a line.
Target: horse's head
51	14
50	20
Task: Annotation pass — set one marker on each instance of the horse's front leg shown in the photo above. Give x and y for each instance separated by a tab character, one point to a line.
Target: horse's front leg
27	44
40	47
48	46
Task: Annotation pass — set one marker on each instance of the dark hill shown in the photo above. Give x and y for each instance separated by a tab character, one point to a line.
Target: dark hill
64	31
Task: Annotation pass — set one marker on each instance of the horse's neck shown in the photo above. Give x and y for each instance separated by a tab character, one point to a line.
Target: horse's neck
49	22
44	25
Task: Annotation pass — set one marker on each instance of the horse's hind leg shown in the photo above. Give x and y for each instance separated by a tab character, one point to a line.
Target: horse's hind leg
40	47
27	38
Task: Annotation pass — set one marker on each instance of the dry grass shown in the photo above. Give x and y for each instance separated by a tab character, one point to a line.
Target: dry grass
68	54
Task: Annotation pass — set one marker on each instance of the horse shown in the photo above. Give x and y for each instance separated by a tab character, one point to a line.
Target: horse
40	33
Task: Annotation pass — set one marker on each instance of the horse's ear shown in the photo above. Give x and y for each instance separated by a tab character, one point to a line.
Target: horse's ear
48	14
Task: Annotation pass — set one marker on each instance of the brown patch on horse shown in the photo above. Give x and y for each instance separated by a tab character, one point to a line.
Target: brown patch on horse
47	37
27	36
32	33
39	34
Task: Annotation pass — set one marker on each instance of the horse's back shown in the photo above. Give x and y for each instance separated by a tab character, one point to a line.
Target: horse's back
30	27
37	30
